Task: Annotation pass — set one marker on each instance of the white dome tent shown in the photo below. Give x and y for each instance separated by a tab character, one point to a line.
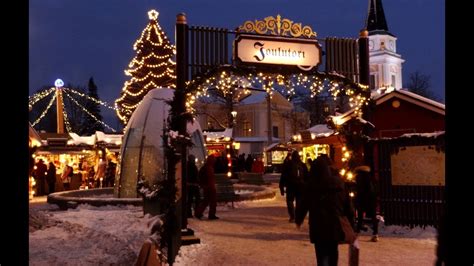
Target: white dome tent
142	151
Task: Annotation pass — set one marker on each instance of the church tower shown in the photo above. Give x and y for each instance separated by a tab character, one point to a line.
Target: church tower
385	63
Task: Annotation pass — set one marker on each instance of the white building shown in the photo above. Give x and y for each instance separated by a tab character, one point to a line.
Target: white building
385	63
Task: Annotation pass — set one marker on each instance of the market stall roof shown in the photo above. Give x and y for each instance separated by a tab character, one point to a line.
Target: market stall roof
321	130
276	147
81	140
34	136
108	138
227	133
255	139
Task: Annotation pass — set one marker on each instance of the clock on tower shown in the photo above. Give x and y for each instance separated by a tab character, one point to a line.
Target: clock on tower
371	45
391	45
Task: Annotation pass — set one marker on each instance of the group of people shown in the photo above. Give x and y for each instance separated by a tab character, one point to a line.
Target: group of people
249	164
321	192
45	175
102	175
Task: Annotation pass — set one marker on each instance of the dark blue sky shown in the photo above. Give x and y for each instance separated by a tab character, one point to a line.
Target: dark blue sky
74	40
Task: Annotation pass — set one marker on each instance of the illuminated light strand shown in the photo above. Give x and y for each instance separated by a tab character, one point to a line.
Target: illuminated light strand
66	119
90	98
40	95
45	110
89	113
140	64
153	37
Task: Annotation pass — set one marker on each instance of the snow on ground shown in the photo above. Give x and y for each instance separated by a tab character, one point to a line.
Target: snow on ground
251	233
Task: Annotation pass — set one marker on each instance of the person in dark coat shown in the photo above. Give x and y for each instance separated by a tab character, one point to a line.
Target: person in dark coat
366	200
110	173
40	176
248	163
207	180
192	186
51	177
326	199
294	174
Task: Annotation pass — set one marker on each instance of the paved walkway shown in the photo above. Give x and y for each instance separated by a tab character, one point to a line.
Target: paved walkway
258	233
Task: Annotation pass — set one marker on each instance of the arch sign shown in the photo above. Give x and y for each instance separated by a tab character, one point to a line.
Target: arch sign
277	50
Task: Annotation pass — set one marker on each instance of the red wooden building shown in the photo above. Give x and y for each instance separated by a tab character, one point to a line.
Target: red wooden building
401	111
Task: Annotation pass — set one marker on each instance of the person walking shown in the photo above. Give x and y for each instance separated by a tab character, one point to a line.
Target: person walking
326	200
51	177
294	174
207	181
194	196
366	200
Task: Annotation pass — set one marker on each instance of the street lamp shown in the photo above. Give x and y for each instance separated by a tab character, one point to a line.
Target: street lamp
234	115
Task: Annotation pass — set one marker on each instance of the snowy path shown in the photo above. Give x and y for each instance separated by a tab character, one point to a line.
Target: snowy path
258	233
253	233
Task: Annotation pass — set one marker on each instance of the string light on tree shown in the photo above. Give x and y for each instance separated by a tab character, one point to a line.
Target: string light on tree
152	67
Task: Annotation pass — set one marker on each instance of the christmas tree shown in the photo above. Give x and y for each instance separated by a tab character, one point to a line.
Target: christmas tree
152	67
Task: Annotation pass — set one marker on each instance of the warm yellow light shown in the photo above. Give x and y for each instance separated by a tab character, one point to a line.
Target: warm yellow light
236	145
349	176
229	174
342	172
228	146
351	194
347	154
344	148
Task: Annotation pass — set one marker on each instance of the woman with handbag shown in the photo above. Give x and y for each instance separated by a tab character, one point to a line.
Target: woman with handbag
327	201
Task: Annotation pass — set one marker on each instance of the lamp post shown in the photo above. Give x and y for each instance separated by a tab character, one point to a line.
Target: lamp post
234	115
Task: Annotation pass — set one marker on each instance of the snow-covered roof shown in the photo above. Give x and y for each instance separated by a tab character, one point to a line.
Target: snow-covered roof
428	135
81	140
34	136
255	97
412	98
227	133
276	146
108	138
320	130
255	139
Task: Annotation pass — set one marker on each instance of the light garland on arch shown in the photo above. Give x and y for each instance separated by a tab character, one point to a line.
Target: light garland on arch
317	83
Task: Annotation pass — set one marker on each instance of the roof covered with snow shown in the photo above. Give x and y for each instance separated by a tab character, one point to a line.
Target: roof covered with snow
320	130
227	133
410	97
255	139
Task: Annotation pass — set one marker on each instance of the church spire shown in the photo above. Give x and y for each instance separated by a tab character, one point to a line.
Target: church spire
376	23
